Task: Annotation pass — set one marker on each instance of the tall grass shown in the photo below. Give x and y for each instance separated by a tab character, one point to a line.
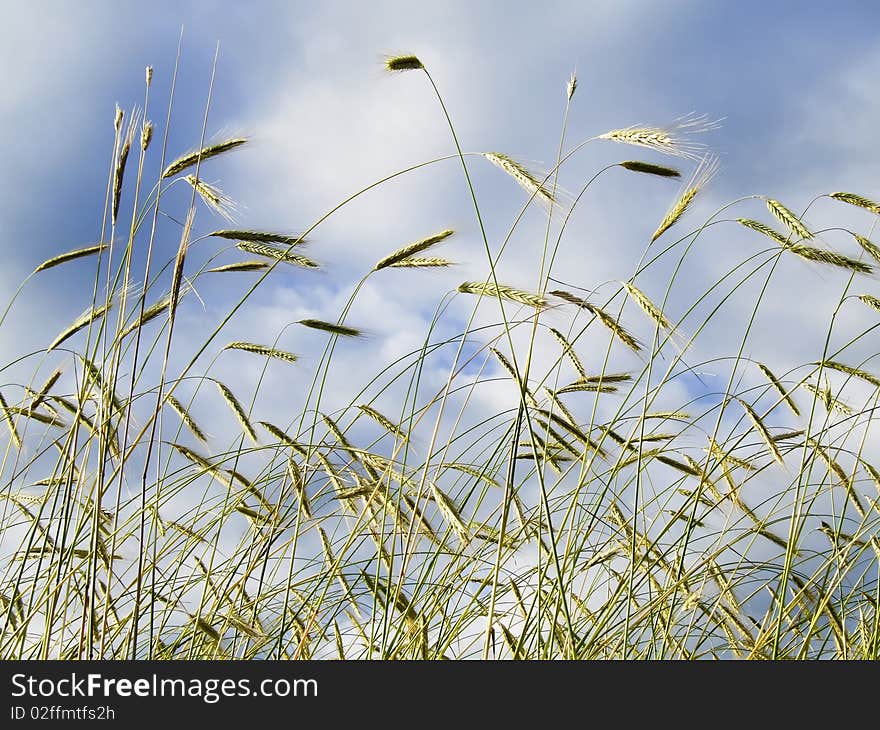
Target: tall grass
603	512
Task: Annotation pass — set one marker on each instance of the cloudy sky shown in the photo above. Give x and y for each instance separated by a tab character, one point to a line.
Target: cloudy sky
793	82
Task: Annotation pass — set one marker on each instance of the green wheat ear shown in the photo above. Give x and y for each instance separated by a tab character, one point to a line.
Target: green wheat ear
403	63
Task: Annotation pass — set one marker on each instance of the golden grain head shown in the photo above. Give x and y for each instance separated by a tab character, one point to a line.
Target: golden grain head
485	289
857	200
701	177
674	139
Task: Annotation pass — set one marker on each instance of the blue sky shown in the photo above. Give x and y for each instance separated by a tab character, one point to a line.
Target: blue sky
794	82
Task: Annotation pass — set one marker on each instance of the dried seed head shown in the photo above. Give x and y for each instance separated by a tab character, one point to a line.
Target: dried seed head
117	120
149	74
572	86
403	63
146	134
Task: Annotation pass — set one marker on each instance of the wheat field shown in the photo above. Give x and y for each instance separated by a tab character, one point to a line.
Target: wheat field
555	494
